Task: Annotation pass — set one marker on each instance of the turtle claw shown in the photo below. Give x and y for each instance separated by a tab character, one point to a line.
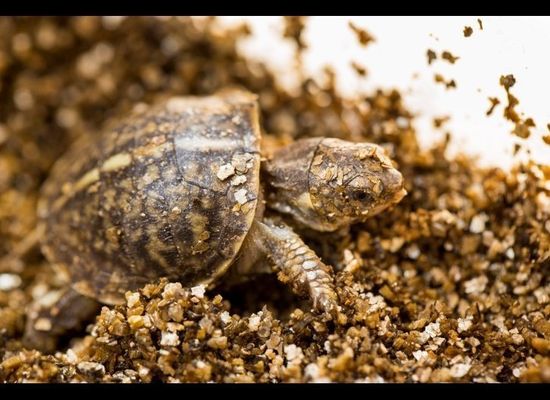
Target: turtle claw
327	304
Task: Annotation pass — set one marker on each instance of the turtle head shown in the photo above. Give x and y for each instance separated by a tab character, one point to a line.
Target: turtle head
350	182
327	183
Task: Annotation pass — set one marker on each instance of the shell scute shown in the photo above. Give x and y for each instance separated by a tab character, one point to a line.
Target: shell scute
144	201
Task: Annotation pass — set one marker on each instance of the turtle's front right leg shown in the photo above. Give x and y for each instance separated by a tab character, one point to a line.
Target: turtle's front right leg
68	312
299	266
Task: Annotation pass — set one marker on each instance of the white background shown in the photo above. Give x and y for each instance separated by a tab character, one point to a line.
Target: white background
506	45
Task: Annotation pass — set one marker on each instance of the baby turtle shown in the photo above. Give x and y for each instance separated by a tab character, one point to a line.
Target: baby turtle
175	191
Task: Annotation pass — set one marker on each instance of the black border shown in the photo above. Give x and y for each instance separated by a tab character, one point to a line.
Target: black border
279	7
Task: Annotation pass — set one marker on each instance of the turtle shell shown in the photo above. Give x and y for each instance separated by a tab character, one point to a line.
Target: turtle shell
169	192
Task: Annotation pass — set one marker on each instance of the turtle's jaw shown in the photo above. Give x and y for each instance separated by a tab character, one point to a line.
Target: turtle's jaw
377	209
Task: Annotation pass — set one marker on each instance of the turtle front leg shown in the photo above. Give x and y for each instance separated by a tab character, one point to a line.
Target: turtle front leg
50	319
298	265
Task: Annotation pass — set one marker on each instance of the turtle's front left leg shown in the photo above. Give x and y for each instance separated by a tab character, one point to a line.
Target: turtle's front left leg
47	323
299	266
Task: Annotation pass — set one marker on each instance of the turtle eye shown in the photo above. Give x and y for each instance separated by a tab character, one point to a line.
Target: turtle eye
360	195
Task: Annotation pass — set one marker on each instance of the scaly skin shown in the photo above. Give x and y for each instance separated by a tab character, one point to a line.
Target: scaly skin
298	266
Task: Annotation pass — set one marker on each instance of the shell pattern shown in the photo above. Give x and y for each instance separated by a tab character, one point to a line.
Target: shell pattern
170	192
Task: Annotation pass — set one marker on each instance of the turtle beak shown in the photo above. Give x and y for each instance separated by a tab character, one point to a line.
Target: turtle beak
399	196
393	186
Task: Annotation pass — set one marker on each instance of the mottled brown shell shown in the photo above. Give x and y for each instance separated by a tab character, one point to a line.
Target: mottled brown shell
170	192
